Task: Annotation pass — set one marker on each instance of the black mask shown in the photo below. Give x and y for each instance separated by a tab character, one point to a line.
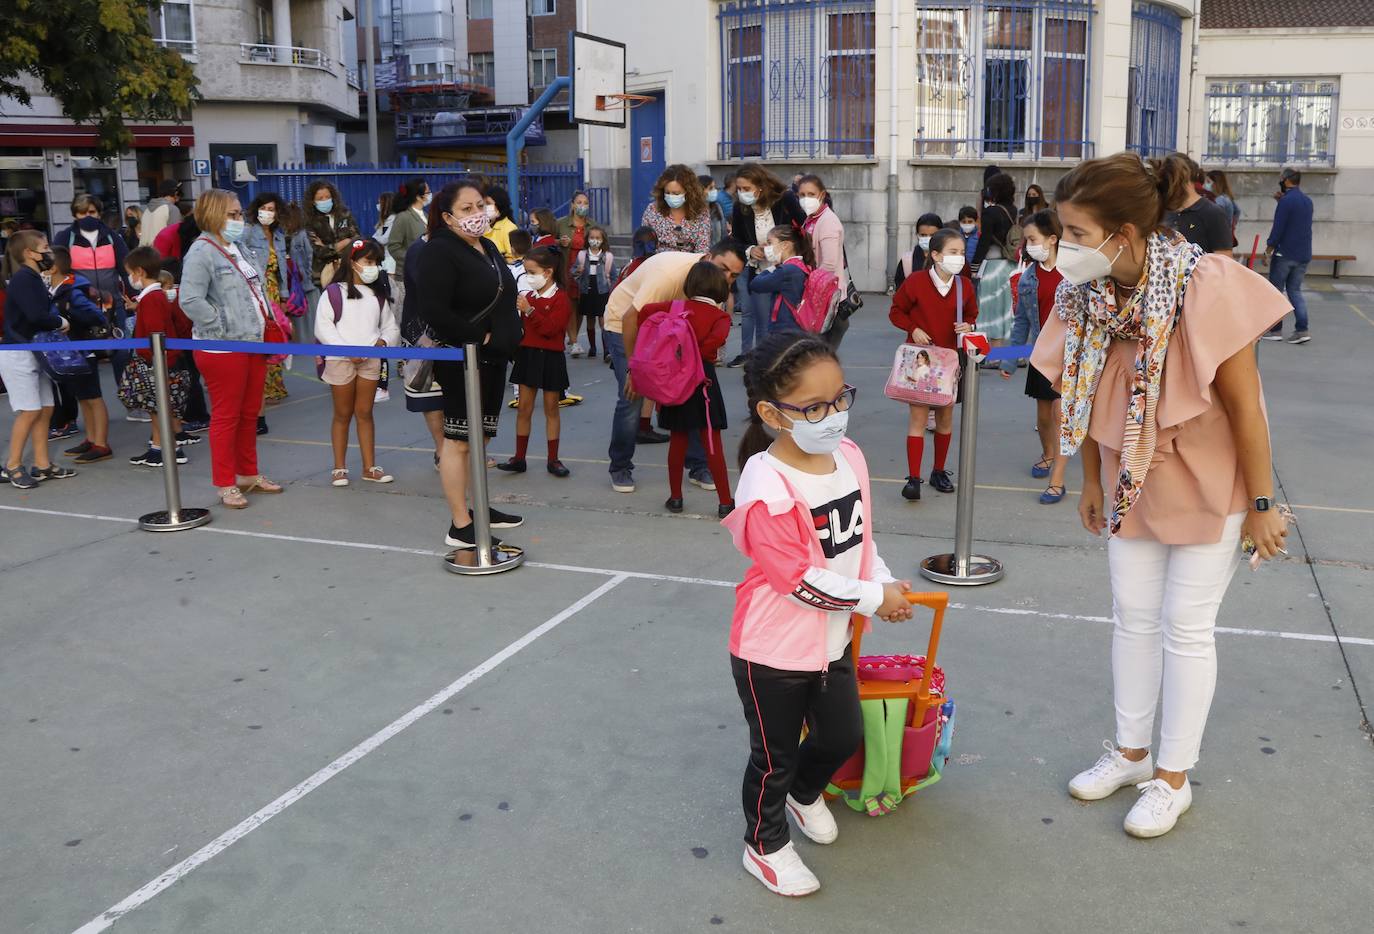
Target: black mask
88	224
45	262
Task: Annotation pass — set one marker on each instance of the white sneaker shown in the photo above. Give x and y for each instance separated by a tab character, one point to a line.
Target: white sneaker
1158	808
579	349
382	395
814	819
782	872
1111	773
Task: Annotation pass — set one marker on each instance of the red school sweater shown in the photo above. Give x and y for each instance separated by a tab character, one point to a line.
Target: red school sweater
547	323
709	324
918	304
156	312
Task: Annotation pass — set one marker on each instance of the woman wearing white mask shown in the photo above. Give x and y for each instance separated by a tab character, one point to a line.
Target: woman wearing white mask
931	309
407	226
677	214
1153	350
762	202
354	312
826	233
573	234
995	259
720	222
496	205
331	229
264	245
223	295
1035	293
926	227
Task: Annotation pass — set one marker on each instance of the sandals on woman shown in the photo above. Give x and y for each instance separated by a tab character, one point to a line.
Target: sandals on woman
1050	497
260	484
231	497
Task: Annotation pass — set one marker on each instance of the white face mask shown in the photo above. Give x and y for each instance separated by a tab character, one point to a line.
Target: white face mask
369	273
952	263
923	242
747	198
1038	252
492	213
136	283
1079	264
536	282
594	244
968	228
810	205
429	196
266	217
770	252
822	437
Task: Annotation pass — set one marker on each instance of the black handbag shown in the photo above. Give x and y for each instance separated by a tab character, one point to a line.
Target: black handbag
852	300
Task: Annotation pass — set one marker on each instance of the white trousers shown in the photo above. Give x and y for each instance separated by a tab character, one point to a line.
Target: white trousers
1165	600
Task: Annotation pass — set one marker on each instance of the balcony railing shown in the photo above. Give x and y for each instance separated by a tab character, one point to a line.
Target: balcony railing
184	46
353	80
256	53
480	126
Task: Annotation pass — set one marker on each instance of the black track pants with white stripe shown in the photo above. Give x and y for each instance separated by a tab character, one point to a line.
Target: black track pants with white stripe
776	704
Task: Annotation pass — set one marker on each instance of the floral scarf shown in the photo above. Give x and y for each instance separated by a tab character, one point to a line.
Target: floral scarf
1092	321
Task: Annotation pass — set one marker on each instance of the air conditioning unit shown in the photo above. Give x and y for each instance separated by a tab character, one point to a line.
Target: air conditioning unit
243	172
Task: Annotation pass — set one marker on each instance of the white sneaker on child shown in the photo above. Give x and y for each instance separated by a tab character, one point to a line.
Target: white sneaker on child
814	819
782	872
1158	808
1111	773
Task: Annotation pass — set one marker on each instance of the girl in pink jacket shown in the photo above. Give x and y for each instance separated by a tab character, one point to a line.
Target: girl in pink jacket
804	517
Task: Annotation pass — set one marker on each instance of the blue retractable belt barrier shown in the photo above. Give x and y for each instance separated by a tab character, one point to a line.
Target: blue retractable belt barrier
1010	353
318	350
131	343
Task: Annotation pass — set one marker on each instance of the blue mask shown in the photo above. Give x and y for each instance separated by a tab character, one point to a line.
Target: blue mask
674	201
233	229
822	437
325	206
713	195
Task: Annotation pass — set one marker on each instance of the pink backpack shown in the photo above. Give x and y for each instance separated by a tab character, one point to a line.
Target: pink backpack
667	359
820	298
927	375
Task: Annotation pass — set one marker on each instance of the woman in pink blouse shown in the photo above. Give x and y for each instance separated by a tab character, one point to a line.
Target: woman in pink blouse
678	212
1152	344
826	233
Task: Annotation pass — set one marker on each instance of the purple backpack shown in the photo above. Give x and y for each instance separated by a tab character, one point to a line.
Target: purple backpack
667	364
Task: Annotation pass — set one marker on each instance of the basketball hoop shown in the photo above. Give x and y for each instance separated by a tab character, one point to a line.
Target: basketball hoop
622	101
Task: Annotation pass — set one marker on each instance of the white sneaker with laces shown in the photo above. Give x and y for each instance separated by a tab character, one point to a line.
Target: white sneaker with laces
1158	808
1111	773
814	819
782	872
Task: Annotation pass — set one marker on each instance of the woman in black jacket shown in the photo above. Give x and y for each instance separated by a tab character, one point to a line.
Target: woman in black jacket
762	202
466	295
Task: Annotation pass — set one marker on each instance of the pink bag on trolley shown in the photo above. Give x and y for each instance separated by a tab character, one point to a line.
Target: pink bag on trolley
927	375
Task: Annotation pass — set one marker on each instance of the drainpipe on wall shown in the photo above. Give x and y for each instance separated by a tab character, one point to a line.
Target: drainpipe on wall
892	209
584	132
1192	81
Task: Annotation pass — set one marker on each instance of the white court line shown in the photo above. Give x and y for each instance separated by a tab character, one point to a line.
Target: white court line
242	829
704	581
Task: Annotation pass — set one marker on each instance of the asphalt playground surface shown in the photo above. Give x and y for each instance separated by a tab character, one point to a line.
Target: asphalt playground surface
294	720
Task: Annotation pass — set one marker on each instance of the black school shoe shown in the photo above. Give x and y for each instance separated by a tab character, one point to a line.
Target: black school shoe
724	509
649	436
93	454
912	490
514	465
558	470
941	481
673	505
466	537
262	425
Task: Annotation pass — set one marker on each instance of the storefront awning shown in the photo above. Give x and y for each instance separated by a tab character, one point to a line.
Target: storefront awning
69	135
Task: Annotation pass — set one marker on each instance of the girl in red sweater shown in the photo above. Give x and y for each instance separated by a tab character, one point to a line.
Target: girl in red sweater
707	290
931	308
540	362
157	312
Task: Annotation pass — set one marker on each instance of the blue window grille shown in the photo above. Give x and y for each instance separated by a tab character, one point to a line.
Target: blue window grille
1271	121
1008	78
796	78
1152	94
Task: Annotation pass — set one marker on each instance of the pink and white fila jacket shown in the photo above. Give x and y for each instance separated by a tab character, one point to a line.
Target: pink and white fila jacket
783	603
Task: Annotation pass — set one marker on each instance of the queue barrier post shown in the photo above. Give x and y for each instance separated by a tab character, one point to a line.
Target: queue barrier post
962	568
484	559
175	518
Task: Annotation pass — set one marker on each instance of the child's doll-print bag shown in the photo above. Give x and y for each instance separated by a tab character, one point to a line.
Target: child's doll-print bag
925	374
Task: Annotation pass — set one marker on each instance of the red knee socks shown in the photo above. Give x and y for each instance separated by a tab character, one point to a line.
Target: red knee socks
677	459
915	451
715	459
941	450
553	450
643	423
522	444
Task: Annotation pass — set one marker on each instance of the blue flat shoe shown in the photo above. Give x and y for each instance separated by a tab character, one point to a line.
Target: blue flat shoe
1041	469
1049	497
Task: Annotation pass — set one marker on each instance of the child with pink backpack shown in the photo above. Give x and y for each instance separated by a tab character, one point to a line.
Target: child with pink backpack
804	297
674	363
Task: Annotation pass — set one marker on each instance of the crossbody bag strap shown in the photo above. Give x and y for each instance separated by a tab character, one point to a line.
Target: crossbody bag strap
232	262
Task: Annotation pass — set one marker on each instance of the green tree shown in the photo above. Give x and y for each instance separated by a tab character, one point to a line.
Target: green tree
98	59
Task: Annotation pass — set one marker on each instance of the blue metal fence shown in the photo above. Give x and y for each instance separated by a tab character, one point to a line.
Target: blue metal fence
361	185
797	78
1007	78
1152	95
1271	121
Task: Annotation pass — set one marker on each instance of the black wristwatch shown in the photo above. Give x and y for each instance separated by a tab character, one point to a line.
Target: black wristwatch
1263	504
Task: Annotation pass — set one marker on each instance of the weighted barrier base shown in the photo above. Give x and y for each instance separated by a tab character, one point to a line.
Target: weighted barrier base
162	521
943	570
503	558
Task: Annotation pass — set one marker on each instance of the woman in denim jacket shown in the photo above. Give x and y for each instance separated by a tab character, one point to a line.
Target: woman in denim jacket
264	245
223	295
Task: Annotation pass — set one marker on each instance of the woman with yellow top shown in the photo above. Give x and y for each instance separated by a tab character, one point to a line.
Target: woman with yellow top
496	202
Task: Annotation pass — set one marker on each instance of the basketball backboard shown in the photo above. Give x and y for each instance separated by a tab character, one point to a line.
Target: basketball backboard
598	74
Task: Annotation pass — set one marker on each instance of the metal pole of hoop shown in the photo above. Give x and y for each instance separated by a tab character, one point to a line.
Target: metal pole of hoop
484	559
962	568
174	518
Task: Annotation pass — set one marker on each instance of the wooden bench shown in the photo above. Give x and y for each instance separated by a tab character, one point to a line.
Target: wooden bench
1335	262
